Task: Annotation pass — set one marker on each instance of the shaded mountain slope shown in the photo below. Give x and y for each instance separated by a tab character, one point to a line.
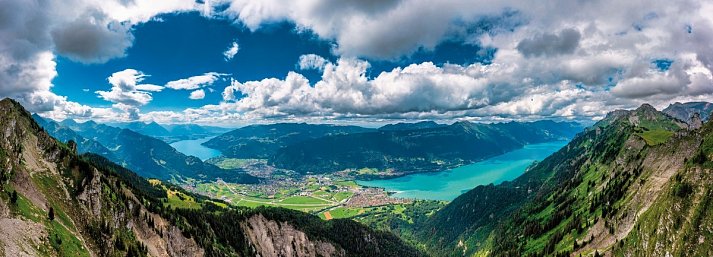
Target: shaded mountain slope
64	134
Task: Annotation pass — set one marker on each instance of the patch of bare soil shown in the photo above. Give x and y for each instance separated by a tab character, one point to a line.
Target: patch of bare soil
20	238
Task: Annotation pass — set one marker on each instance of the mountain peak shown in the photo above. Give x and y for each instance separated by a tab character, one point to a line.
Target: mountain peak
13	110
10	103
69	122
646	108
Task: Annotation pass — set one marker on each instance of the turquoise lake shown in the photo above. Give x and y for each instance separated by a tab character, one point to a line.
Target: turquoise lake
194	148
447	185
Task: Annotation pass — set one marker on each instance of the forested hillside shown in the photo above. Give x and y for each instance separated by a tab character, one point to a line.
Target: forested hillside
426	147
262	141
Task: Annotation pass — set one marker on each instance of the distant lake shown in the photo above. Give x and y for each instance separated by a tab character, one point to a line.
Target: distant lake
193	147
447	185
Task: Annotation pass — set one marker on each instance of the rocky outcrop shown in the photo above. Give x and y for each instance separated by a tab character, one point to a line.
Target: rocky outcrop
696	122
179	246
270	238
91	196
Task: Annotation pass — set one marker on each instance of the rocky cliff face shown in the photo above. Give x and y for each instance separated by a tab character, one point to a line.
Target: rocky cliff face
270	238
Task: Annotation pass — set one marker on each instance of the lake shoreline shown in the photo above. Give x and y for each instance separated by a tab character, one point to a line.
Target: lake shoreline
448	183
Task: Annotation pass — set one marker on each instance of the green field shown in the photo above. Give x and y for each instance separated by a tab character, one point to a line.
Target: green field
344	212
177	199
304	200
340	196
655	137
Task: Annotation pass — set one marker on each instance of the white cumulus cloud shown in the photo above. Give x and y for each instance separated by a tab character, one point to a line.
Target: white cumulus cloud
126	93
196	95
312	61
231	51
195	82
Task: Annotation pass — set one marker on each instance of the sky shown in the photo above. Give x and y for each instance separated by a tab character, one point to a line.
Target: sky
238	62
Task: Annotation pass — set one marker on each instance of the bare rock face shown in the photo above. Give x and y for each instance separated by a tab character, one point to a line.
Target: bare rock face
91	196
270	238
695	122
180	246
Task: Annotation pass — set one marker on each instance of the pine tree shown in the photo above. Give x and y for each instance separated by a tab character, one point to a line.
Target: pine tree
13	197
51	214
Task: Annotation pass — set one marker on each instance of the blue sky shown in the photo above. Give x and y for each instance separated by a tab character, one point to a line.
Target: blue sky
351	61
179	46
176	46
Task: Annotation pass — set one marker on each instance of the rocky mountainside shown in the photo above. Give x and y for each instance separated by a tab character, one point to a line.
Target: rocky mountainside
54	202
686	111
636	183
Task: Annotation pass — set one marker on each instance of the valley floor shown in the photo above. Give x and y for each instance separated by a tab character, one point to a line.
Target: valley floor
328	196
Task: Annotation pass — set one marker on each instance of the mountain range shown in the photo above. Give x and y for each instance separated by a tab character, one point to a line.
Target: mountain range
171	132
262	141
398	148
54	202
148	156
685	111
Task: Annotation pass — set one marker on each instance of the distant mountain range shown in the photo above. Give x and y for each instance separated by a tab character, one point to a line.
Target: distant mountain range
147	156
411	126
404	147
263	141
685	111
172	132
410	149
